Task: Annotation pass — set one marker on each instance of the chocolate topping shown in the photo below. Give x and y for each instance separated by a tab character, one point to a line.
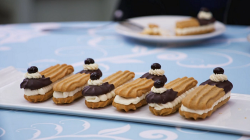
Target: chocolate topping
218	70
158	84
95	90
162	78
89	61
206	21
94	76
32	69
155	66
226	85
91	71
167	96
34	84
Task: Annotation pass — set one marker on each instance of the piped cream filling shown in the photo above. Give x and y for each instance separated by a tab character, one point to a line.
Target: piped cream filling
127	101
103	97
171	104
194	29
58	94
43	90
200	112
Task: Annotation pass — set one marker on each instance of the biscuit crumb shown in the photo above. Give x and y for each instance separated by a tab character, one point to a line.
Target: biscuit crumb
220	113
245	117
239	109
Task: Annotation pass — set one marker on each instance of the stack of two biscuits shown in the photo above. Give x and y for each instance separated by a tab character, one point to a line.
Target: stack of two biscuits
132	95
100	93
205	99
38	86
70	89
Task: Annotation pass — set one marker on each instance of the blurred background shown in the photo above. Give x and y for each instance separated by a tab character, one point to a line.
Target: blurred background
25	11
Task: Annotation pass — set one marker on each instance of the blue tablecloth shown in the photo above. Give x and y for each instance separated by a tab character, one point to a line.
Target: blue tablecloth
24	45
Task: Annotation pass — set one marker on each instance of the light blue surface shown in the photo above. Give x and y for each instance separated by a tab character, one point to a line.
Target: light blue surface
24	45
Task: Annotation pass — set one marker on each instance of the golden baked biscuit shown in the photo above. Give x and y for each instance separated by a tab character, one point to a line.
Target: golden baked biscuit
126	108
192	22
180	86
69	85
135	88
57	72
210	95
72	82
93	93
119	78
52	74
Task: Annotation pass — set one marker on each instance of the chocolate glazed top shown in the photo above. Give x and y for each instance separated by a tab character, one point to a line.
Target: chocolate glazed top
226	85
34	84
206	21
162	78
91	71
167	96
95	90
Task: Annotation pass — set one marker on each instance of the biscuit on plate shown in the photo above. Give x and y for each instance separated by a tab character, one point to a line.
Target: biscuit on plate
204	23
38	86
165	100
205	99
70	89
100	93
131	96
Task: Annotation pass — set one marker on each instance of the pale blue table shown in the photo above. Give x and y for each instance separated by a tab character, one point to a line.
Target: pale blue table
23	45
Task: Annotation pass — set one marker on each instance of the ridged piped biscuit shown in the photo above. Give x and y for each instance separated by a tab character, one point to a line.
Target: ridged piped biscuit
69	99
192	22
100	104
129	107
57	72
135	88
181	85
72	82
195	116
119	78
165	111
39	98
203	97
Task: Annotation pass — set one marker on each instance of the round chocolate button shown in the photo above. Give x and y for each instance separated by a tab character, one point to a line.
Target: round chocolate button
155	66
218	70
32	69
89	61
94	76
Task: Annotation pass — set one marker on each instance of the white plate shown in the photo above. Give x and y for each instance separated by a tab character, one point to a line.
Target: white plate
234	117
166	22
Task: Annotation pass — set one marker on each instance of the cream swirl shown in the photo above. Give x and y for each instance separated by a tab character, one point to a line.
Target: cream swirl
205	15
218	77
90	66
95	82
158	90
33	75
157	72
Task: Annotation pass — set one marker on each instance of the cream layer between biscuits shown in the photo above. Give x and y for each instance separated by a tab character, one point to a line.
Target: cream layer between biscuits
127	101
171	104
58	94
183	31
43	90
103	97
200	112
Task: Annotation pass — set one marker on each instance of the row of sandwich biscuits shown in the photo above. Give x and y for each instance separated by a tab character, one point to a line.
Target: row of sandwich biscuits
122	92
